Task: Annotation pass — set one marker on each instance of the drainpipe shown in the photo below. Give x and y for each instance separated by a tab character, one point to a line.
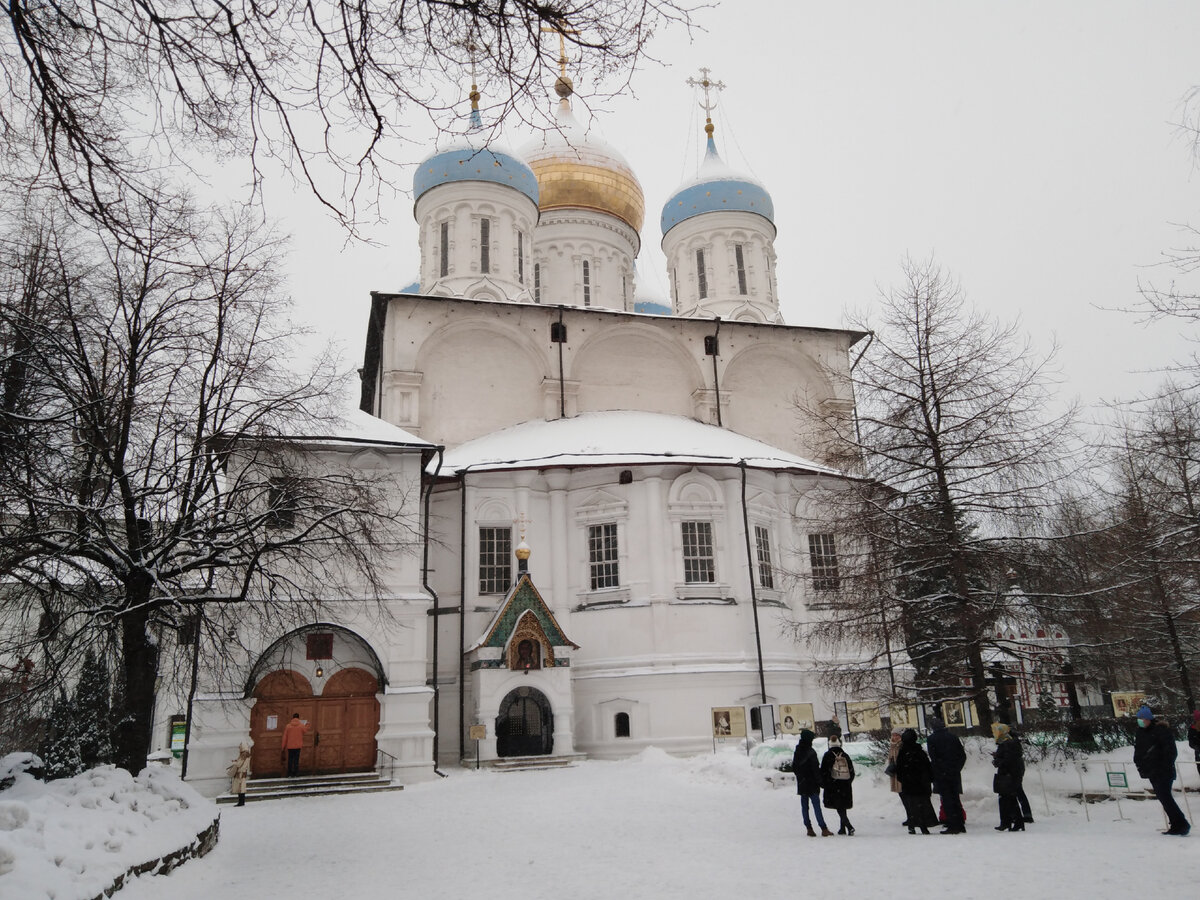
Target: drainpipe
716	349
435	611
462	615
562	388
762	678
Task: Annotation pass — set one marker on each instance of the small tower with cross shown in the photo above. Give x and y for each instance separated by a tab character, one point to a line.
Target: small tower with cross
719	235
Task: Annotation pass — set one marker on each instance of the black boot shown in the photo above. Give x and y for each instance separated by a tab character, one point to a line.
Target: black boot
241	800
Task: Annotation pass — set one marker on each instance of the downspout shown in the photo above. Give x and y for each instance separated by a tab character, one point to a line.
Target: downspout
462	615
762	678
716	382
435	611
562	387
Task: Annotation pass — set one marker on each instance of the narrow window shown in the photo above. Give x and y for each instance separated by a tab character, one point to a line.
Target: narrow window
621	725
521	258
189	630
537	282
701	275
675	286
767	269
762	539
485	245
495	560
822	554
625	291
755	718
740	259
602	555
444	268
587	283
698	564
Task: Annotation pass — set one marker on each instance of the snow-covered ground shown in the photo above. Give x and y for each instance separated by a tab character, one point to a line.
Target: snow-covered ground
659	827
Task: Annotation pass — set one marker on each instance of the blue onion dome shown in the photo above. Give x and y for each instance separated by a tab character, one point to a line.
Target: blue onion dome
716	187
649	296
472	158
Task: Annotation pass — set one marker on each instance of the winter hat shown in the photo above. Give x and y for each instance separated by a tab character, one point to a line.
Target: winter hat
1000	732
835	740
806	736
1144	713
909	736
936	723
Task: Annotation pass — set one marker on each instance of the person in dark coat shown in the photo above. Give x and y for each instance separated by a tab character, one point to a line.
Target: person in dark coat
947	757
1010	770
837	779
1022	799
807	770
1154	755
916	779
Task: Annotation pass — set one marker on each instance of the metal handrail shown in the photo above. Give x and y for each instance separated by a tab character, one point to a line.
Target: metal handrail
383	758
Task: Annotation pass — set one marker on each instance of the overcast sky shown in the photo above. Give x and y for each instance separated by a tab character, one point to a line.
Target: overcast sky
1031	148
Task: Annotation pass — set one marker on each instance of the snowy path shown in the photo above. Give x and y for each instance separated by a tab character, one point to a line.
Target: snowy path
655	827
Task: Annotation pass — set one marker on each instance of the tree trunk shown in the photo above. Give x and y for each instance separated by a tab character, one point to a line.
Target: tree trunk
139	661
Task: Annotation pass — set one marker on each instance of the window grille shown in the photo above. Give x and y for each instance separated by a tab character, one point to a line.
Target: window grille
495	560
699	566
602	556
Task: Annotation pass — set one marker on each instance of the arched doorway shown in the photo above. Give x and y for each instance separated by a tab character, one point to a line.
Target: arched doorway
343	722
525	726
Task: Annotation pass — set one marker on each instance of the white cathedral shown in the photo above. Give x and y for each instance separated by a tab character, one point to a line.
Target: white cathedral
619	491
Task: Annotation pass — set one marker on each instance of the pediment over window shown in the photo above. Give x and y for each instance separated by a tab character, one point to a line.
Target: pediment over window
524	616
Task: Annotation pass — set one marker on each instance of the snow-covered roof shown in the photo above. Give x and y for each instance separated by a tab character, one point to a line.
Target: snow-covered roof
619	438
356	427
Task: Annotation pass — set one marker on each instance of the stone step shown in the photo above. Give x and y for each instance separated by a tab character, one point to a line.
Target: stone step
534	763
313	786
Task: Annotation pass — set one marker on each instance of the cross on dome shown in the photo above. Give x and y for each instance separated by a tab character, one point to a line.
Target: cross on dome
563	86
709	104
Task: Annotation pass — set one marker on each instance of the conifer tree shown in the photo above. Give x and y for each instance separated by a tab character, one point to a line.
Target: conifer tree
60	749
93	712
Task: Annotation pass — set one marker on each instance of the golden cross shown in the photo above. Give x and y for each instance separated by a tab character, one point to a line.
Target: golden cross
562	45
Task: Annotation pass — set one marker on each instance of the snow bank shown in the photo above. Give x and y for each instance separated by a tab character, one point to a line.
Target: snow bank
74	838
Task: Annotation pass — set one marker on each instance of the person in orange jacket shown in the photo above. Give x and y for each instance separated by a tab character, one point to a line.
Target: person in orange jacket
293	740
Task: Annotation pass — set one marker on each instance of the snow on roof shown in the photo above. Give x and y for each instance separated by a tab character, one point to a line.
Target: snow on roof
353	426
619	438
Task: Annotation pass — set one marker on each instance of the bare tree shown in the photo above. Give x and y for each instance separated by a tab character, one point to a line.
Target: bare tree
327	87
144	465
959	443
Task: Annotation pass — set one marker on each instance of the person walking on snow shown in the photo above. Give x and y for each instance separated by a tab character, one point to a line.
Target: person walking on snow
293	742
807	770
1154	755
947	757
837	779
239	772
1010	770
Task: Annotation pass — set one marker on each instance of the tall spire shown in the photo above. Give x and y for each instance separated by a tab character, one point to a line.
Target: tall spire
708	105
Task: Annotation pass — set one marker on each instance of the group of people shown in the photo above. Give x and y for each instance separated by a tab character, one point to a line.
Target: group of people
917	775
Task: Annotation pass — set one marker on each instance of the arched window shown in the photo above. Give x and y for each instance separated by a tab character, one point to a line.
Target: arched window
621	725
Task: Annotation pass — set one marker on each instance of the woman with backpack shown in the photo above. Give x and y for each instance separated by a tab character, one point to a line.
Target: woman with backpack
837	776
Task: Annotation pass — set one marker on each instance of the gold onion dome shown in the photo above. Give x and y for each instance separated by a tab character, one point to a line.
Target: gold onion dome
577	170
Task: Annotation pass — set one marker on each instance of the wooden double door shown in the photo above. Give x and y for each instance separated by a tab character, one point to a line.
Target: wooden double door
343	722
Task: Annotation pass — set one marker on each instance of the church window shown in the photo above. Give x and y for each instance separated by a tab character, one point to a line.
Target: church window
587	283
283	497
602	556
822	556
701	275
699	565
625	291
495	559
537	282
762	541
521	257
740	258
485	245
675	286
444	268
621	724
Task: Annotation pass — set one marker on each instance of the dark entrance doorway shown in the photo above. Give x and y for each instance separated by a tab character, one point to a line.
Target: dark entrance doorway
525	726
